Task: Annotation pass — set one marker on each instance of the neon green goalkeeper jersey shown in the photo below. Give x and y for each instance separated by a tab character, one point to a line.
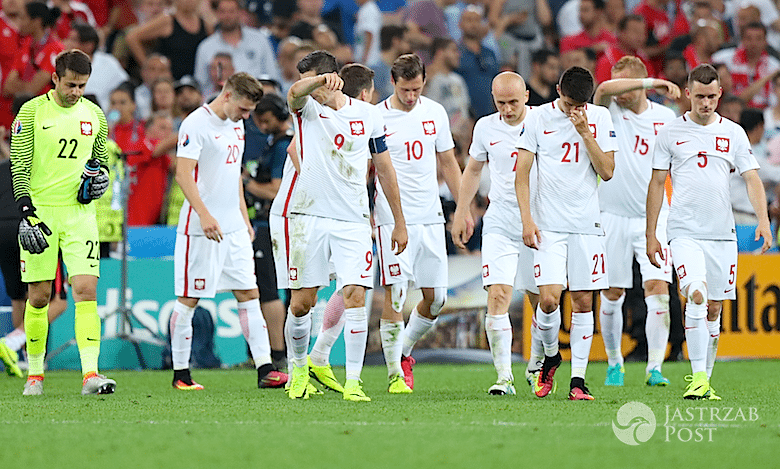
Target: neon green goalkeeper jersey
50	145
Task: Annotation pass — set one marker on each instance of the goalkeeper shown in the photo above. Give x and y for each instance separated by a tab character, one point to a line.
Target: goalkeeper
58	157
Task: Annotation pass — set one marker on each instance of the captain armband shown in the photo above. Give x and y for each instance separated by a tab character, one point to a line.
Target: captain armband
377	145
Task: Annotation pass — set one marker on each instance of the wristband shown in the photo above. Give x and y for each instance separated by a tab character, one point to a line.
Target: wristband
648	83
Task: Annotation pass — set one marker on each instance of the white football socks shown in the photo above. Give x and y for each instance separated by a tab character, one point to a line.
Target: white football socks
713	329
656	330
355	336
300	331
499	334
611	319
255	331
180	327
332	323
696	335
536	357
391	333
415	329
549	325
581	338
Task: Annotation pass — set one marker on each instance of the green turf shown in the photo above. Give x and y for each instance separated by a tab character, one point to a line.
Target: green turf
450	421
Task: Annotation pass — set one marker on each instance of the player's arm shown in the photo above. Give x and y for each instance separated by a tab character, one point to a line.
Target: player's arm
262	190
160	26
301	89
450	170
387	179
754	88
244	211
610	88
293	154
757	196
22	146
469	185
185	179
655	197
603	162
531	234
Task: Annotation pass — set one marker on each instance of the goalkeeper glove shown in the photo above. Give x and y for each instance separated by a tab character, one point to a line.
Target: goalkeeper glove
94	182
32	229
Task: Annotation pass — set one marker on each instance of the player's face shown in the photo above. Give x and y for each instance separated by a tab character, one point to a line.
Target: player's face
239	107
568	105
704	98
629	99
70	87
409	91
510	103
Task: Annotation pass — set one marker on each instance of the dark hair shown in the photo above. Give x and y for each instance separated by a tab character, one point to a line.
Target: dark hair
755	25
541	56
274	104
388	33
577	83
74	60
86	33
319	61
440	43
599	4
749	119
40	10
704	74
623	23
18	101
125	87
357	77
408	67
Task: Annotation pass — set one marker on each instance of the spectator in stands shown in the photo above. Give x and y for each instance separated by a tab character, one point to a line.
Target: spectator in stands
545	72
10	45
130	19
632	37
706	39
177	36
750	65
518	26
308	17
478	64
772	114
107	72
752	120
34	64
326	39
150	173
675	71
595	33
270	85
424	20
448	88
585	58
762	11
220	68
157	66
250	48
702	12
286	59
281	22
71	12
393	42
731	107
661	29
188	95
164	99
725	78
367	29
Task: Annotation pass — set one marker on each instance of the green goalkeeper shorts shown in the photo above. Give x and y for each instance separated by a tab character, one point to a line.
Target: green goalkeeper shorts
75	232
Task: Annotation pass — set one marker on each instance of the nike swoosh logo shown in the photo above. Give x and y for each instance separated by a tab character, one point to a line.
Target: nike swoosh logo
689	328
298	338
34	340
93	340
217	136
364	276
680	143
93	265
273	378
713	336
48	126
548	132
353	331
543	328
324	117
391	133
728	291
596	279
493	143
507	329
586	337
188	338
626	118
661	312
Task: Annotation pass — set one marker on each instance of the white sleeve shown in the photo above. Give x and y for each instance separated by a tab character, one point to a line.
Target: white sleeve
605	135
444	140
378	121
477	149
190	139
527	139
743	153
662	155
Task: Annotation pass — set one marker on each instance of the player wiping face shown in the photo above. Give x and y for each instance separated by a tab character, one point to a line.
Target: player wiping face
69	88
325	94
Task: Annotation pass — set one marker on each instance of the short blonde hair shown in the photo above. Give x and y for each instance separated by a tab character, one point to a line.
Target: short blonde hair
245	86
631	64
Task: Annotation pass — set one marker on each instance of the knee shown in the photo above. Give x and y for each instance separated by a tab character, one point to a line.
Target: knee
439	298
398	296
613	294
697	293
549	302
84	292
302	302
354	296
499	296
714	309
38	294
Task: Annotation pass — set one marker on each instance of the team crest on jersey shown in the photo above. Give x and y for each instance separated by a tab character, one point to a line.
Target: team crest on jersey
429	127
722	144
17	128
593	129
657	126
395	270
485	271
200	283
357	128
681	272
293	274
239	133
86	128
537	271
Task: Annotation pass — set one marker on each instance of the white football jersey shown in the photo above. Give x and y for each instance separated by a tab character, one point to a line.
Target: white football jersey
626	193
494	142
218	147
281	203
413	139
566	198
701	159
333	147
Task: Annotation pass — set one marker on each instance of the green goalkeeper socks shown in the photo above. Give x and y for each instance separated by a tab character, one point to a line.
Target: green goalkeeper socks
36	326
88	335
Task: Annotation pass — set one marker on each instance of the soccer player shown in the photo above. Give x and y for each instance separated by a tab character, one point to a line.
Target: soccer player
214	239
419	141
328	209
637	121
57	139
507	262
701	149
573	144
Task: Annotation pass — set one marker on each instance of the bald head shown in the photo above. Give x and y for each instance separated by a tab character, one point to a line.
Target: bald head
510	96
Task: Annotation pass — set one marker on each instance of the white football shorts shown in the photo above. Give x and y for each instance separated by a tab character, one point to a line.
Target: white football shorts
709	261
507	261
573	259
423	262
625	240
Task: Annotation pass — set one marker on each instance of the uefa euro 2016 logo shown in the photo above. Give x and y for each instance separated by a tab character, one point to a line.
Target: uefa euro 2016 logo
635	423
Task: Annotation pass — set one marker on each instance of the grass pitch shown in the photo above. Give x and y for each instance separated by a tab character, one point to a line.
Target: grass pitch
450	421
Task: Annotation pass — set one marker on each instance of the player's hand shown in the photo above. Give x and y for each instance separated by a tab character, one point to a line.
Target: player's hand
251	231
211	227
32	231
580	121
654	248
532	236
333	81
764	231
668	89
98	185
460	230
399	238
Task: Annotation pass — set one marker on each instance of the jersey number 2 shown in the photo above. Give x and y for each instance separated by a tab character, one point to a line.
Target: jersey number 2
65	143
